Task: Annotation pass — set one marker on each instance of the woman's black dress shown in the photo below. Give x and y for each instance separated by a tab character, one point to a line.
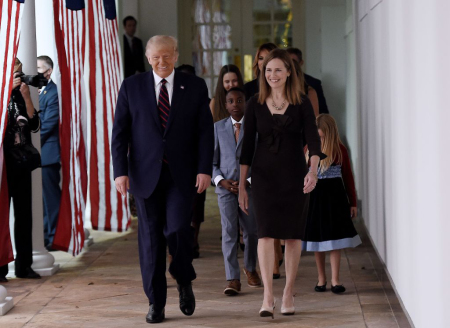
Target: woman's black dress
279	167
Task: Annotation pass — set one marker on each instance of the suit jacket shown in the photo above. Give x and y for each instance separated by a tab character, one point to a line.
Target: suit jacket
49	107
316	84
251	88
226	152
139	143
134	60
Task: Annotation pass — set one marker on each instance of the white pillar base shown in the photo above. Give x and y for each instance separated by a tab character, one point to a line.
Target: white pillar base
6	303
44	263
88	240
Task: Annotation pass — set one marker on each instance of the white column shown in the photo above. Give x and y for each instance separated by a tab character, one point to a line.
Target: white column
6	303
88	239
43	261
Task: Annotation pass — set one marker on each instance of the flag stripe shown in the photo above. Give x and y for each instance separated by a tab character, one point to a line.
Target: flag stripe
69	27
110	211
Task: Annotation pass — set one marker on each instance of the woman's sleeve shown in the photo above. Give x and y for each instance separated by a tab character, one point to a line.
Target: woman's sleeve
35	122
310	129
248	145
347	177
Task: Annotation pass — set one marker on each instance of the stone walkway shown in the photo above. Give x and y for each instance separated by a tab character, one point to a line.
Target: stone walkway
102	288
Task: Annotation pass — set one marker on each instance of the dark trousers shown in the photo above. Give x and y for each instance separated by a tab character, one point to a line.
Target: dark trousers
164	220
52	197
19	189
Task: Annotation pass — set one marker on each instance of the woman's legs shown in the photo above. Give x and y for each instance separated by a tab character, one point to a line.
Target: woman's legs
278	256
335	260
266	258
292	253
320	263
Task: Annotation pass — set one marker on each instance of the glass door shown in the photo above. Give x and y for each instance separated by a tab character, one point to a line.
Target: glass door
230	31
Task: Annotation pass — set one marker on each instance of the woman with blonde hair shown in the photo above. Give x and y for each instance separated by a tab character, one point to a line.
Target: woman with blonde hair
281	182
332	206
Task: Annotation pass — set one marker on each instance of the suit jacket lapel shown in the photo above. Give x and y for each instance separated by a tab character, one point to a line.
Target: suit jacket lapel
229	130
149	97
177	98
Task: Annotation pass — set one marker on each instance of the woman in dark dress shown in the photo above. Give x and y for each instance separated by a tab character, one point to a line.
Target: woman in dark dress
281	181
251	88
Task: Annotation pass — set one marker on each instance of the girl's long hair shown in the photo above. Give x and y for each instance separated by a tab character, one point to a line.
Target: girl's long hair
219	111
330	142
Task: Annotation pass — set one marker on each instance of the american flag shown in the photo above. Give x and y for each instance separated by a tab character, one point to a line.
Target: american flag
10	13
108	210
70	29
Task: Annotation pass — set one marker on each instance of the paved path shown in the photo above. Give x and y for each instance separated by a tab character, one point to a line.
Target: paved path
102	288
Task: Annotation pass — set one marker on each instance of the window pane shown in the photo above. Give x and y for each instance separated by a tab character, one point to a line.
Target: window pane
261	10
220	58
202	63
202	37
283	10
262	33
221	11
222	36
202	12
283	35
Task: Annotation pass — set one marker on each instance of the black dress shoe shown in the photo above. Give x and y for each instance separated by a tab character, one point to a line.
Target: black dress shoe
337	289
320	289
28	273
187	299
155	316
3	279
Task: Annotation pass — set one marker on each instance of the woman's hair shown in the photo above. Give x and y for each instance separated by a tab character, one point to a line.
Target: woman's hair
331	141
292	88
17	64
219	110
265	46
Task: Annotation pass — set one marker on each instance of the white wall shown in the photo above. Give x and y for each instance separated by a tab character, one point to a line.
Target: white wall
325	52
329	55
153	16
403	85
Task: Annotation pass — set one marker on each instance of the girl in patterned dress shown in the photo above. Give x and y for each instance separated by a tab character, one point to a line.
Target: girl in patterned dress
332	206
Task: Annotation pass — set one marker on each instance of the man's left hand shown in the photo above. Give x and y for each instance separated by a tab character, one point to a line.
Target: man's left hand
203	182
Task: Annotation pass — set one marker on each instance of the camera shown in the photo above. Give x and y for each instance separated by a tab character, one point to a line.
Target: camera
37	81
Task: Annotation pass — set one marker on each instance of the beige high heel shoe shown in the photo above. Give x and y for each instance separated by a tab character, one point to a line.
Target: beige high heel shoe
289	310
267	312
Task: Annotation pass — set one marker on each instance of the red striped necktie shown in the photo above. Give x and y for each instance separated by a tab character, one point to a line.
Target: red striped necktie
163	104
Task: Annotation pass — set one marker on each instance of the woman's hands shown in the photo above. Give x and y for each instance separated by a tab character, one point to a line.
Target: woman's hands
309	182
353	212
243	199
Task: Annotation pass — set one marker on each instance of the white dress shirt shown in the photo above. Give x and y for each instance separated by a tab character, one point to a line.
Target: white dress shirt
219	177
169	85
130	41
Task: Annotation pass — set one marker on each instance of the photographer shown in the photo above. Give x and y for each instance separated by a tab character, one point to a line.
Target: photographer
21	158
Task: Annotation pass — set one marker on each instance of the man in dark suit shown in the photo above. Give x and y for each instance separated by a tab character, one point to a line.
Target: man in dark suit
162	148
316	84
133	49
50	150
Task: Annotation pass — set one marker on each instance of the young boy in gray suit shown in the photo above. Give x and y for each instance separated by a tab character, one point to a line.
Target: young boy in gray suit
228	135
